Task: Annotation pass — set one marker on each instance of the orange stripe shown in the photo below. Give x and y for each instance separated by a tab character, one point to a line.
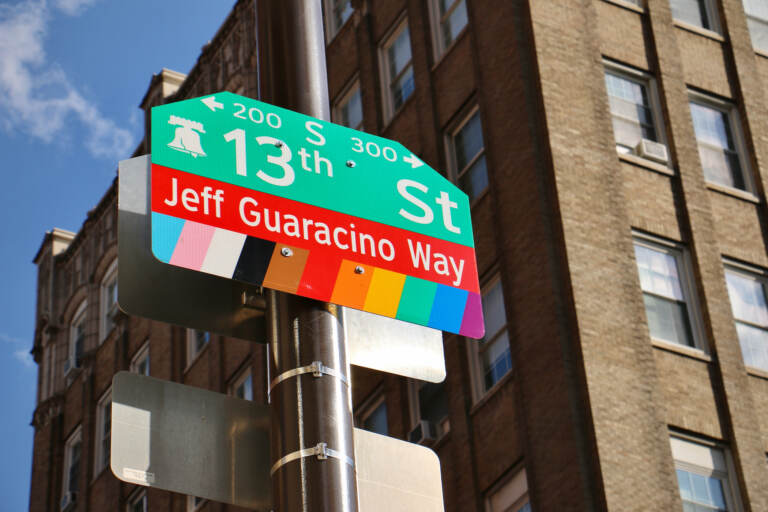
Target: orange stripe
351	288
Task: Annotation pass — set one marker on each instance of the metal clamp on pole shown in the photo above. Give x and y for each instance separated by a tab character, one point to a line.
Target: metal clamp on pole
316	368
321	451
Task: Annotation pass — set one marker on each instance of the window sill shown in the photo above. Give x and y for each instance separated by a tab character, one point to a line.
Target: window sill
762	53
626	5
733	192
709	34
398	112
693	353
646	164
440	58
491	392
197	357
757	372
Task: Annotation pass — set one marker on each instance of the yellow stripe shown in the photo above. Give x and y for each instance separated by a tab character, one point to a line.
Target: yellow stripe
384	292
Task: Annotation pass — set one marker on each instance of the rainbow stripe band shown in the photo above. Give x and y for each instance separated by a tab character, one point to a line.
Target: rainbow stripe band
315	274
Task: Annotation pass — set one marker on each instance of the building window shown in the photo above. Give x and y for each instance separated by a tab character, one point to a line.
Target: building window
348	110
635	113
468	156
103	432
140	362
397	69
757	21
373	415
242	387
699	13
748	301
703	476
194	503
720	143
138	503
71	486
337	12
196	342
449	17
429	410
76	338
491	354
665	281
511	495
108	301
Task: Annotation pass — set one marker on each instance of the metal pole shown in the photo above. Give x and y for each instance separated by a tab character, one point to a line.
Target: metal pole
312	427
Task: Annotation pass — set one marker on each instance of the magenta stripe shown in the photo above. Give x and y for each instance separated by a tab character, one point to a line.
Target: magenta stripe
193	245
472	324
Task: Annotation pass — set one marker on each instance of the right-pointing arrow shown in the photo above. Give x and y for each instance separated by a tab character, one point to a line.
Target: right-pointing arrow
415	162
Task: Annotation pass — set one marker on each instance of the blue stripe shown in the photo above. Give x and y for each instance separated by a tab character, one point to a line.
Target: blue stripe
165	234
448	308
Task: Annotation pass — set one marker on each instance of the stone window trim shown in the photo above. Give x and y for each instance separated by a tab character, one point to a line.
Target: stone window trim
347	92
78	331
139	358
108	307
441	47
731	110
103	433
400	25
650	84
137	499
192	350
631	5
509	493
709	458
687	282
453	129
195	503
75	439
711	18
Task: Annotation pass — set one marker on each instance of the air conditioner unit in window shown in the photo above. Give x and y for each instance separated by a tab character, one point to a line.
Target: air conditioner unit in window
423	433
68	501
651	150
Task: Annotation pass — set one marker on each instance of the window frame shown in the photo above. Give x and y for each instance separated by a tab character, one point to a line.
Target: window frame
728	473
648	81
102	434
139	356
685	272
107	315
192	505
193	353
371	405
761	276
477	370
443	427
713	17
80	317
140	495
398	27
75	437
439	46
450	143
331	27
762	21
343	99
240	379
514	482
731	111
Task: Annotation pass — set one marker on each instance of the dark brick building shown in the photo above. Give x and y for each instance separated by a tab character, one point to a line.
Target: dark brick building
614	152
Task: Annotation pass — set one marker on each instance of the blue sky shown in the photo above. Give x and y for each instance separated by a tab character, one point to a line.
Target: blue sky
72	73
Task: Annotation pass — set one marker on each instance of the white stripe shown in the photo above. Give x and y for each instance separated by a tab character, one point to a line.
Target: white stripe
223	253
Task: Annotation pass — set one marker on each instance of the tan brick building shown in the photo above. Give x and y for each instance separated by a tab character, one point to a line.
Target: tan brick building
615	154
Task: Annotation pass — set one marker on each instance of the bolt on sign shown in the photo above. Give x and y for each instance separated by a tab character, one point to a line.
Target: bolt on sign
249	191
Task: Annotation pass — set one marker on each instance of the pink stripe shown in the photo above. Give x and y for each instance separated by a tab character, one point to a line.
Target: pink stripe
193	245
472	324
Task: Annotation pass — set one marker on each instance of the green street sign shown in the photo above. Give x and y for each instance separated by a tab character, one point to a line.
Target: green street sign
371	226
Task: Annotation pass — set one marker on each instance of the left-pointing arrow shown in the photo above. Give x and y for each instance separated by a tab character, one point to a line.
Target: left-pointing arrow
211	103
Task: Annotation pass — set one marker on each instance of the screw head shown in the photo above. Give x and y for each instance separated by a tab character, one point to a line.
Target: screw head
285	251
279	144
359	270
351	163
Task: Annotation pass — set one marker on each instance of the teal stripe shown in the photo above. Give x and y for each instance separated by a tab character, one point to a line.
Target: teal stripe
165	234
416	300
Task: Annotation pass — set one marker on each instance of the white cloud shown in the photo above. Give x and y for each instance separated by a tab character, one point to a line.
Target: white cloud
36	97
19	353
74	7
25	358
10	339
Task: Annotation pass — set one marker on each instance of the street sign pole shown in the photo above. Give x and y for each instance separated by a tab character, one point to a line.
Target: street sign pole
312	427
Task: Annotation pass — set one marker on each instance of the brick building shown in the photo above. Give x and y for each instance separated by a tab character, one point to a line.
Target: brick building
615	156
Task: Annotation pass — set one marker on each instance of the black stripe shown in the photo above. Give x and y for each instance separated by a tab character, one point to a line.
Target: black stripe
254	260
